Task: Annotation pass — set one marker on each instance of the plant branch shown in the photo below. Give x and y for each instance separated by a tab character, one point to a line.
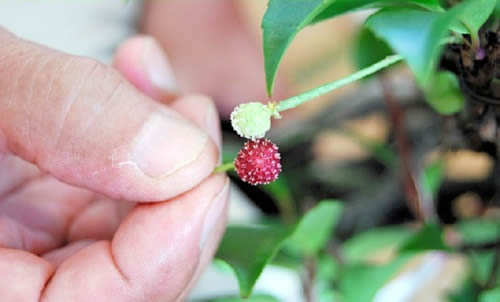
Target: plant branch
396	116
224	167
329	87
309	279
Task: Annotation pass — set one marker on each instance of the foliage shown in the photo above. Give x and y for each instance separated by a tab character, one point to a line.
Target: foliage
415	31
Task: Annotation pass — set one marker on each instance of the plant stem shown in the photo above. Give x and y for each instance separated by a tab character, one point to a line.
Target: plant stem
397	119
328	87
309	279
224	167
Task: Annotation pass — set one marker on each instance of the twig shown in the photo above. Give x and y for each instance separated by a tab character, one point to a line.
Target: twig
397	119
328	87
309	279
224	167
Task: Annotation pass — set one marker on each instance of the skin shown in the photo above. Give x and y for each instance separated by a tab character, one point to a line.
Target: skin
92	206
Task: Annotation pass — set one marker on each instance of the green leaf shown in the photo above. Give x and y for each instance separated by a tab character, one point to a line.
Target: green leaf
466	293
340	7
492	295
315	228
248	249
360	246
481	263
281	23
479	231
429	237
369	49
361	282
473	15
444	94
327	271
253	298
284	19
414	34
280	192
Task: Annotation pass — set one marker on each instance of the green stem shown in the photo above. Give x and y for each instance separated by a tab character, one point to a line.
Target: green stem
224	167
328	87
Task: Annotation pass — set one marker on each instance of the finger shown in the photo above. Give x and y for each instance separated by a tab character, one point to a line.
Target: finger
142	61
24	275
155	253
58	256
36	217
90	128
14	173
99	220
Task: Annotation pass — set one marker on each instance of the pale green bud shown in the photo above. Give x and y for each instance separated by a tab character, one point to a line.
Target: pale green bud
253	120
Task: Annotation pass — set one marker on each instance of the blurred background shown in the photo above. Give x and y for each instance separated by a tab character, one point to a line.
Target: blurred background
375	145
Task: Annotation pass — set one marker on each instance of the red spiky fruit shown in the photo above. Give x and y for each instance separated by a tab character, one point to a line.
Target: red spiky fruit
258	162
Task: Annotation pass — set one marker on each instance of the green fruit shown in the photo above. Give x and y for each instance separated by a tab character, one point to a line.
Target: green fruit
253	120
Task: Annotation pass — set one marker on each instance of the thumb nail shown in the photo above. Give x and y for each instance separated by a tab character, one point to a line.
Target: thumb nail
167	143
158	67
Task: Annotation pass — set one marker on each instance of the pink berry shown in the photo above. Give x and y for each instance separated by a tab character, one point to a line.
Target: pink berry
258	162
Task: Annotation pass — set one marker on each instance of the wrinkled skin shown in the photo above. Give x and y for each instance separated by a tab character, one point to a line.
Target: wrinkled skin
106	185
105	193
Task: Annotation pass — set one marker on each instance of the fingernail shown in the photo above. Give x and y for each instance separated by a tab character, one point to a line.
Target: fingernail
214	214
167	143
158	67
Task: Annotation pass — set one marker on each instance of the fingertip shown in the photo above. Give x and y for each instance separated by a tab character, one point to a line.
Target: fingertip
24	275
170	238
144	63
202	111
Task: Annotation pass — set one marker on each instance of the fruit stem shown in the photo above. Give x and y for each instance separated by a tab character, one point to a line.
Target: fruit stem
224	167
328	87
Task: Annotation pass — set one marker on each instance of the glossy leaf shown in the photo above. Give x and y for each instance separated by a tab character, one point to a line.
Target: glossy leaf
340	7
248	249
369	49
315	228
284	19
253	298
414	34
281	23
473	16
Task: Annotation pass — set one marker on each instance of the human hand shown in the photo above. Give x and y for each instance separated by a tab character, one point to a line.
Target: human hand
75	137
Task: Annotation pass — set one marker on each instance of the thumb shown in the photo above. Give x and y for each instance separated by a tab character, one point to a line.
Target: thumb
81	121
